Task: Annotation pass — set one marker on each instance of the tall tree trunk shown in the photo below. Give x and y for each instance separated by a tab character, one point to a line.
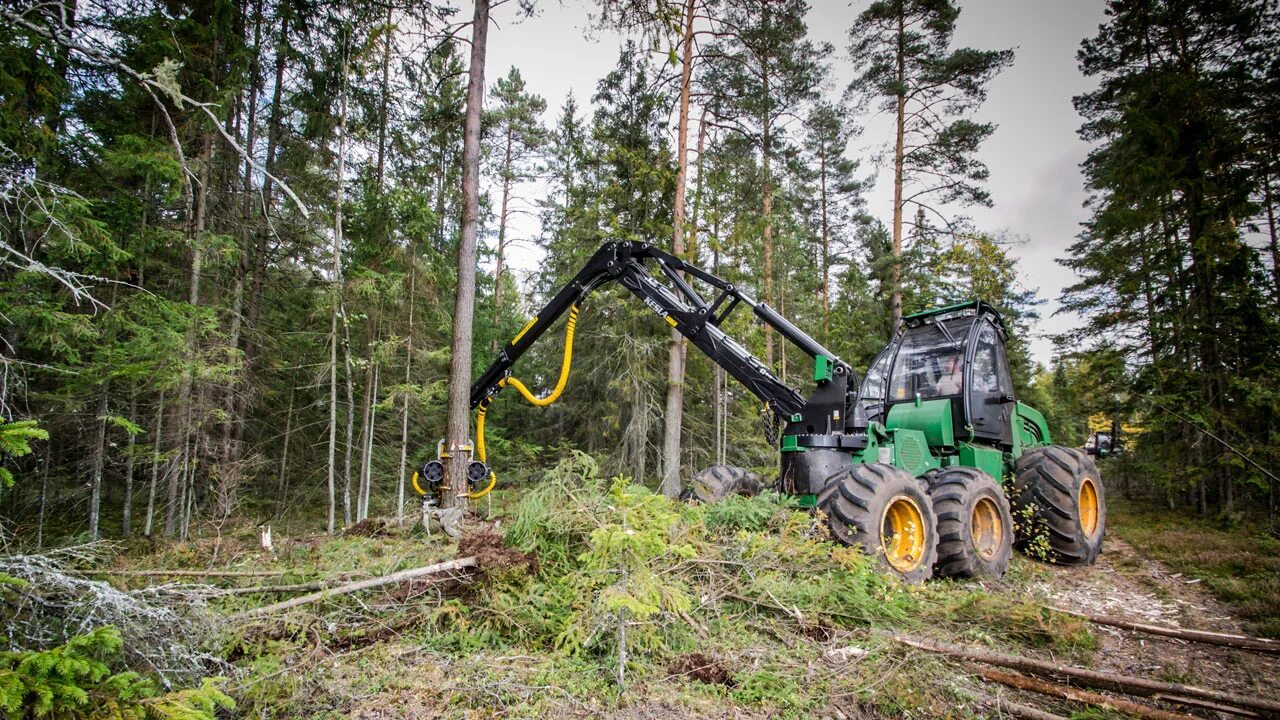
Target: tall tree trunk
155	467
408	377
674	417
126	515
367	472
282	478
825	292
365	432
44	496
336	278
768	230
351	421
459	405
1274	243
900	124
385	94
502	237
175	509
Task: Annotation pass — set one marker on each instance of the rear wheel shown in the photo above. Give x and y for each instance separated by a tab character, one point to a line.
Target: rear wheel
888	513
1058	496
717	482
975	527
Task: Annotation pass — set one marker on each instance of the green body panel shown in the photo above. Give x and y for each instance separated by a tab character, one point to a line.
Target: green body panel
807	501
987	459
790	444
1029	429
821	368
931	417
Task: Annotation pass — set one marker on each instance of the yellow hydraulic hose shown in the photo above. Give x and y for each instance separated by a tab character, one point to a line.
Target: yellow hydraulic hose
564	368
551	397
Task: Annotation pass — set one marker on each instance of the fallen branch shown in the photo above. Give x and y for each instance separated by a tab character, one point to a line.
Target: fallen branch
1243	642
1052	689
190	573
399	577
1206	705
1020	711
255	589
1095	678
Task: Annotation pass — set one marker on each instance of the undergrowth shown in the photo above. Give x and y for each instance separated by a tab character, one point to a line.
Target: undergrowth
636	606
1238	561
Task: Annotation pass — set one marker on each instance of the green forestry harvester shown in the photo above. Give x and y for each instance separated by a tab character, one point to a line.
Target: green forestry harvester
925	463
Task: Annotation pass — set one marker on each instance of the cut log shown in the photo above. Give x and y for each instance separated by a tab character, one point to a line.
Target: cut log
1094	678
1052	689
1243	642
393	578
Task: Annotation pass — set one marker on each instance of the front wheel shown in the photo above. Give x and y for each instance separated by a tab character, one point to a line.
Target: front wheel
975	527
717	482
888	513
1058	497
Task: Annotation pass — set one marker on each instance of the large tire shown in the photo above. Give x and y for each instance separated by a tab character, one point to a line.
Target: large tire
975	526
717	482
1060	491
888	513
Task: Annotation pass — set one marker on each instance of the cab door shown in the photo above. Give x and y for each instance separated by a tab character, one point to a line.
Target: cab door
989	397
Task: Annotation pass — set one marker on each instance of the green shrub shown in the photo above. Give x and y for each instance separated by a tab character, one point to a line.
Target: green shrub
77	680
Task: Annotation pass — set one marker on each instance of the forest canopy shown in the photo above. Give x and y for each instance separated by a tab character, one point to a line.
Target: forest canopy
230	230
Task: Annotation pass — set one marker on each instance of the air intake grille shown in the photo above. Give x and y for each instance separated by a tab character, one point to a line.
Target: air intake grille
911	452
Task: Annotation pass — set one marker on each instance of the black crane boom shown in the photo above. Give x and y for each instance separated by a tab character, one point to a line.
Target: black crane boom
682	307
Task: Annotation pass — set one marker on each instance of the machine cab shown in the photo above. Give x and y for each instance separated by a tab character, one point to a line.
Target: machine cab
955	353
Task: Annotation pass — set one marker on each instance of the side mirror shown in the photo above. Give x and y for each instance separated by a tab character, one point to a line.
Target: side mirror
1002	399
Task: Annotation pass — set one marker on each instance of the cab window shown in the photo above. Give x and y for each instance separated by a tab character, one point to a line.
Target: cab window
928	364
986	362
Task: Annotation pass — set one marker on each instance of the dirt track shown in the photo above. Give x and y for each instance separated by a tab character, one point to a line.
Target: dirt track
1124	584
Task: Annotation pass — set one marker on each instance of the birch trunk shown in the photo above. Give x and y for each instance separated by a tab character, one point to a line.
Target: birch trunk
335	272
99	462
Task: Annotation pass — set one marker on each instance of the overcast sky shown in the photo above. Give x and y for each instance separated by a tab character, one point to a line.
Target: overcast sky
1034	155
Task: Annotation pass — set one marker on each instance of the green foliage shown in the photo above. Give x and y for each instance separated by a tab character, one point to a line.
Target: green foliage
1169	284
77	680
15	442
738	512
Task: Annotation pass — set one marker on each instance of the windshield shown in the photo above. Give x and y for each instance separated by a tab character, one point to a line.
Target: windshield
873	384
929	364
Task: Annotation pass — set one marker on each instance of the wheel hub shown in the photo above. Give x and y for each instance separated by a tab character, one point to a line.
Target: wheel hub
902	534
987	530
1087	501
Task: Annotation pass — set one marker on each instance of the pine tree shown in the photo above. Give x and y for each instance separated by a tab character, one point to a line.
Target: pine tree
902	54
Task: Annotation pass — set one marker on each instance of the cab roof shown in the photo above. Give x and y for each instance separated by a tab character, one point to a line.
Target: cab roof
968	308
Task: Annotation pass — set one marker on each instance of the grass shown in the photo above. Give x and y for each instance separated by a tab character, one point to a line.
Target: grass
1237	560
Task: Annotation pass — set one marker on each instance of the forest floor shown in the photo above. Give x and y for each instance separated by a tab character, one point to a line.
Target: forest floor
744	615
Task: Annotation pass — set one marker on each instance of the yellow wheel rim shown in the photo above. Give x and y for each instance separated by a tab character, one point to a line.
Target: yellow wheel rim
987	530
902	534
1088	504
